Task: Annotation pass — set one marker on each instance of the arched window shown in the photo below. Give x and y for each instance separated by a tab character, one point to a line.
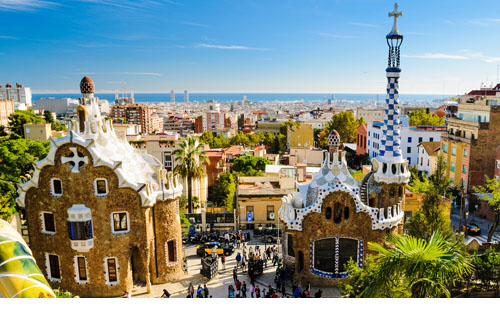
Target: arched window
328	213
400	191
337	213
346	213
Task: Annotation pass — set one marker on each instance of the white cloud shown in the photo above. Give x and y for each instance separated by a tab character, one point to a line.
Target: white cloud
329	35
24	5
484	21
436	56
131	4
227	47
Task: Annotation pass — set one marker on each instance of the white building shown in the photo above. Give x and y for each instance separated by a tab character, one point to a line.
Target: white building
58	106
427	156
172	96
411	136
19	94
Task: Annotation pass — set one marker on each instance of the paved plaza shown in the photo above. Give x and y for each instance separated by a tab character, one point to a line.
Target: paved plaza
218	286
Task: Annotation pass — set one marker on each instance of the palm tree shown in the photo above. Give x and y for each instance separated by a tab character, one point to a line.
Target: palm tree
189	158
426	268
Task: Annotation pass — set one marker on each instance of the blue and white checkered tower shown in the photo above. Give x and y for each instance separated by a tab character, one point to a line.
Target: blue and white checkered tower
389	164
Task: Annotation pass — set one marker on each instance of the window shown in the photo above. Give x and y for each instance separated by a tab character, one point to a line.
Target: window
453	150
466	152
346	213
167	161
392	192
48	225
289	245
270	212
400	191
463	183
408	150
81	268
80	230
421	161
54	269
171	252
328	260
111	268
119	221
464	170
409	139
328	213
452	181
100	187
56	187
445	148
419	139
431	139
452	166
337	213
409	161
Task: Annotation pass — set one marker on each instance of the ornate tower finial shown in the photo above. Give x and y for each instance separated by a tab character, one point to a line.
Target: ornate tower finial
394	39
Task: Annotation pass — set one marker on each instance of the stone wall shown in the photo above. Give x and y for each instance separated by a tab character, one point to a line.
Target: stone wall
316	226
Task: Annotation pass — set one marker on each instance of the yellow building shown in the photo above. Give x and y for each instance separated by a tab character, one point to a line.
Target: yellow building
37	131
260	198
303	136
413	202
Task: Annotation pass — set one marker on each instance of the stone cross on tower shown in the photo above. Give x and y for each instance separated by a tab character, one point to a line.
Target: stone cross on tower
396	14
76	160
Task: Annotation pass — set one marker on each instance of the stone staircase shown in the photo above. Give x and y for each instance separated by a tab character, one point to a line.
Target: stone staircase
363	191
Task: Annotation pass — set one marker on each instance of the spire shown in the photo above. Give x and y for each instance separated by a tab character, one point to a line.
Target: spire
394	39
389	164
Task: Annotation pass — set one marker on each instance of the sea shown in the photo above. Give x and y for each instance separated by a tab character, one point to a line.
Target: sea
257	97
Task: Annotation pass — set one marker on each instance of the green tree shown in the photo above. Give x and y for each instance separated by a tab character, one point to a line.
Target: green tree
190	159
426	268
490	193
207	138
345	124
54	124
423	117
438	178
288	125
20	117
16	157
224	190
47	115
250	165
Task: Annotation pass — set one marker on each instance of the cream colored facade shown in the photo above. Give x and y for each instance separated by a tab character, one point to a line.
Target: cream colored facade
6	108
310	156
303	136
262	197
37	131
369	116
163	149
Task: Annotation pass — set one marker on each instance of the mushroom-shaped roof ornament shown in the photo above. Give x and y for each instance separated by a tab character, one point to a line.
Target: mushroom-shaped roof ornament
86	86
334	139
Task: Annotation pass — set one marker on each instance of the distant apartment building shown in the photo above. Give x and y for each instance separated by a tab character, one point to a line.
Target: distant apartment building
182	124
369	115
361	139
302	136
18	94
37	131
471	142
58	106
212	121
186	97
172	96
136	114
269	126
427	156
216	165
411	136
6	108
305	155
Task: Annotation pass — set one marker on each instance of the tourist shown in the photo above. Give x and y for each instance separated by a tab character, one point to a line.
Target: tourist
307	291
275	257
252	290
244	250
230	291
243	264
214	252
238	260
226	238
223	261
205	290
238	241
318	294
126	295
268	253
264	295
257	291
165	294
244	290
296	293
264	259
199	292
235	274
191	290
250	252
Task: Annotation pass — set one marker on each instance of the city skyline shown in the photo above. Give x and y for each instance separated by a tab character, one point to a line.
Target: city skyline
249	46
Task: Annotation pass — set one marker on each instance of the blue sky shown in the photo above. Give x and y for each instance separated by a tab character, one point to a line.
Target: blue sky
305	46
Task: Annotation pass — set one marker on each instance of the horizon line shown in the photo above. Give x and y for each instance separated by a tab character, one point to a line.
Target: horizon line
196	92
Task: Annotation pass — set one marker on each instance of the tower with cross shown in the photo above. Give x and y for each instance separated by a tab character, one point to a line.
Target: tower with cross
391	165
